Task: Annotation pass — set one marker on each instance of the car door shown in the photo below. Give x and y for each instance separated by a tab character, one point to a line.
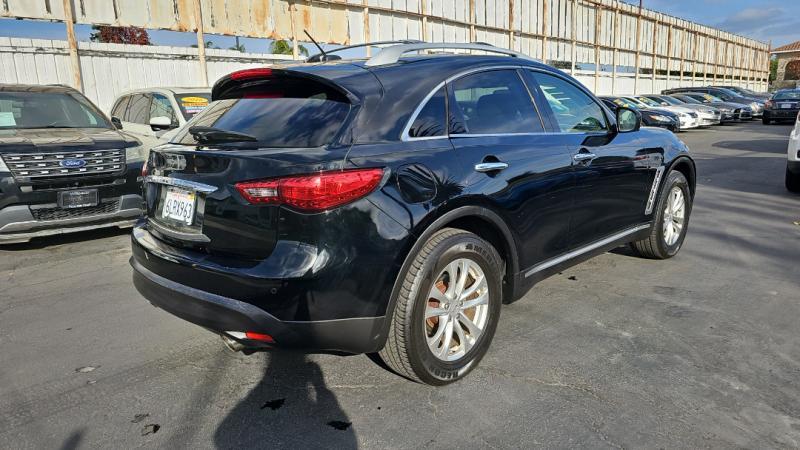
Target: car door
161	106
499	137
613	171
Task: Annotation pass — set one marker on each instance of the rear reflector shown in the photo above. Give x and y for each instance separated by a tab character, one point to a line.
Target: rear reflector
315	192
247	74
259	337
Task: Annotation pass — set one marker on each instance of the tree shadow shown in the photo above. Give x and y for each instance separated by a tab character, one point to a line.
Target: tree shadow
291	407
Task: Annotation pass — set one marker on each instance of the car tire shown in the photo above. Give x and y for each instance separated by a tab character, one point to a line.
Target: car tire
792	181
765	121
665	242
418	346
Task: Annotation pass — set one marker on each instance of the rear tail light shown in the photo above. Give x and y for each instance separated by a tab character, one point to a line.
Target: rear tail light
768	104
314	192
259	337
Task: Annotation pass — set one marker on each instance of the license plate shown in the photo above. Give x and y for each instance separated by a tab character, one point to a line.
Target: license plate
179	205
786	105
78	199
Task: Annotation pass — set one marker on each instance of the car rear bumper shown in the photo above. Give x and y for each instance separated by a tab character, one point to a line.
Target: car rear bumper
781	114
793	166
21	223
233	317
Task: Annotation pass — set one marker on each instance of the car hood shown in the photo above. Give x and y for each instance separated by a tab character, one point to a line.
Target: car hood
60	139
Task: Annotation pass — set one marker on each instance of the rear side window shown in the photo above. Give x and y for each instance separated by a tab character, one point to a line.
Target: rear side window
286	112
493	102
139	109
431	120
574	110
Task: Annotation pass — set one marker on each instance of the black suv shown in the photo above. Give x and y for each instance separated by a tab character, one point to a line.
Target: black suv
391	205
63	166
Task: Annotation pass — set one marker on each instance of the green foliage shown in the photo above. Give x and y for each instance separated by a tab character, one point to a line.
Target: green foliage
773	69
284	47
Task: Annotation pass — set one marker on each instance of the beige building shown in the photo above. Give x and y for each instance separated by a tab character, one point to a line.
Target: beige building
788	57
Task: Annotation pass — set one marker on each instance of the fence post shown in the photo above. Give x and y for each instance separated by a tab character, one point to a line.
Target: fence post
669	55
616	33
638	49
683	48
545	15
293	30
573	49
201	42
423	9
598	11
511	24
366	26
472	35
653	71
74	60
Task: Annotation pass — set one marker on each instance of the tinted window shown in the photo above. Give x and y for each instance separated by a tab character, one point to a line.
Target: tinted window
787	95
285	113
161	107
48	110
431	119
492	102
121	106
139	109
574	110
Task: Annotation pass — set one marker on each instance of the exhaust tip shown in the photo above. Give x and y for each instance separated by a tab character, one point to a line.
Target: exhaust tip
232	344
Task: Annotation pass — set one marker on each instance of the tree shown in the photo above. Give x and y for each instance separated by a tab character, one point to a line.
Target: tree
120	35
773	69
238	47
209	44
284	47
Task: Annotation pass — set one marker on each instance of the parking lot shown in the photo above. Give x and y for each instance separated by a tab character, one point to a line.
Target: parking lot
698	351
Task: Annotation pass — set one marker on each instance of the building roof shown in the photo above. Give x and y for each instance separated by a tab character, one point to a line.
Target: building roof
793	47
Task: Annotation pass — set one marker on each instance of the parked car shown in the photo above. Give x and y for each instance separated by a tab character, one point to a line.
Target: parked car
63	166
756	104
154	115
793	159
744	92
738	111
708	115
392	204
661	119
783	105
726	113
688	119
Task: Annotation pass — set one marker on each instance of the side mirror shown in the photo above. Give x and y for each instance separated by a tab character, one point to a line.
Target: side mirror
116	122
628	120
160	123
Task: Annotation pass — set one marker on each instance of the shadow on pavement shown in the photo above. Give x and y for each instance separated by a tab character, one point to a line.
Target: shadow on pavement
69	238
291	407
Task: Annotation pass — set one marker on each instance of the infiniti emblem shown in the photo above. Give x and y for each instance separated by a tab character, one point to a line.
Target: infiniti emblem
72	163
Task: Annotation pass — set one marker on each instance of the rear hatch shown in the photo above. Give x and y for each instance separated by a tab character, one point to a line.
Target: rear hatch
209	189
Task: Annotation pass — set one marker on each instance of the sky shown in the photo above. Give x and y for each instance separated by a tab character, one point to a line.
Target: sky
765	20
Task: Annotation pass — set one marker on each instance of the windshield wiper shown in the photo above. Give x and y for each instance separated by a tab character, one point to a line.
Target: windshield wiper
212	135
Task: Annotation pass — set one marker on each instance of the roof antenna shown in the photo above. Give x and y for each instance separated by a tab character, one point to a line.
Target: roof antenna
324	55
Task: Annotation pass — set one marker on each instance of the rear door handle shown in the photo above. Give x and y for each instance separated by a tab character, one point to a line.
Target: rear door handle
490	166
581	157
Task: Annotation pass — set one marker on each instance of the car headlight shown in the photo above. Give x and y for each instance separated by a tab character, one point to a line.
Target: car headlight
660	118
135	154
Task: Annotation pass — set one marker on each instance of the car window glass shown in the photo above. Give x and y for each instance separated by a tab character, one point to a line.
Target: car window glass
787	95
574	110
161	107
31	110
139	109
493	102
431	120
120	107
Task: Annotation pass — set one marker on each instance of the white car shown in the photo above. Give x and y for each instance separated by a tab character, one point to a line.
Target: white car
154	115
687	117
793	159
706	114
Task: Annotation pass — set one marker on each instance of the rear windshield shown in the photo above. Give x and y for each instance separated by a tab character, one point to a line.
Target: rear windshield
192	103
24	110
285	114
788	95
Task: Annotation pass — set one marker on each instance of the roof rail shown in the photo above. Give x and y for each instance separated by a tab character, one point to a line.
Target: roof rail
391	55
319	57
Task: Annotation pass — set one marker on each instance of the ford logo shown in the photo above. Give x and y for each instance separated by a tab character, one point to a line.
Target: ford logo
73	163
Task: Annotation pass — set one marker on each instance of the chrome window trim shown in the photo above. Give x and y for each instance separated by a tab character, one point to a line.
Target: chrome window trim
585	249
193	185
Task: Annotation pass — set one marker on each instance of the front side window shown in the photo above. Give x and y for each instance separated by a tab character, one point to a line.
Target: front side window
139	109
431	120
574	110
493	102
161	107
30	110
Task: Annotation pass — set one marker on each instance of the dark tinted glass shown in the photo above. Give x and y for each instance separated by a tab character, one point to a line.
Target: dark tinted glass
431	120
119	109
283	114
491	103
139	109
787	95
48	110
574	110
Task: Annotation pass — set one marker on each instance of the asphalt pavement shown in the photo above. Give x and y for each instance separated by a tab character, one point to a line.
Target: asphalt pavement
702	350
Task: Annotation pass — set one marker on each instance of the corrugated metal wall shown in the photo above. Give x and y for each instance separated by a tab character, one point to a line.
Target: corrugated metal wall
625	49
109	69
